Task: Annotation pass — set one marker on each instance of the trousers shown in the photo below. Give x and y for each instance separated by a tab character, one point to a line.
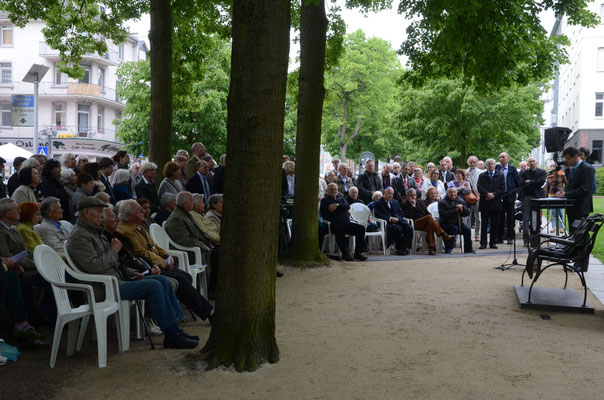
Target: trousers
187	294
401	234
430	226
492	217
350	228
453	229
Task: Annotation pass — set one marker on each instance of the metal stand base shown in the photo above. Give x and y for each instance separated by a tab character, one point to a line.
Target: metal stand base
552	299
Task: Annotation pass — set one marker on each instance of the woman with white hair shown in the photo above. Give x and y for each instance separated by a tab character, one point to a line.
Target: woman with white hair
146	187
214	214
121	185
68	180
81	161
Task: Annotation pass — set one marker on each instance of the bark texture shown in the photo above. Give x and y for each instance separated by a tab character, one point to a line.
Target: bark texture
243	333
160	39
311	92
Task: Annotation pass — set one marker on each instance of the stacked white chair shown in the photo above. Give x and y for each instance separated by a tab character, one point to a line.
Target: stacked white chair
361	213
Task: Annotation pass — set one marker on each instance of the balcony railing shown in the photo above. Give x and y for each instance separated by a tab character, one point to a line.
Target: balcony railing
52	89
109	58
67	131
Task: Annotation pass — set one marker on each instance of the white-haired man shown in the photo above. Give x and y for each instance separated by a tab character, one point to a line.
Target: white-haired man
473	173
490	188
146	187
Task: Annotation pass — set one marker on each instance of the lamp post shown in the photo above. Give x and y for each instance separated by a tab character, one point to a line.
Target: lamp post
35	75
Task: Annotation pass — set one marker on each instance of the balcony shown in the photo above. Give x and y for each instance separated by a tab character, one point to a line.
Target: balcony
73	90
60	132
109	59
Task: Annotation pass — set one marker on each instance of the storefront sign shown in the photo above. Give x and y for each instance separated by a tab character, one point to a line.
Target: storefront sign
58	146
22	110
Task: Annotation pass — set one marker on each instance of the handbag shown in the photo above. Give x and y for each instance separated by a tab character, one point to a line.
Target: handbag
471	198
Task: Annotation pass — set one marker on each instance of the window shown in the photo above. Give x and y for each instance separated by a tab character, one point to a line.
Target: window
59	115
86	78
6	115
599	104
601	13
101	80
6	31
83	118
596	151
100	119
120	51
7	73
60	77
600	65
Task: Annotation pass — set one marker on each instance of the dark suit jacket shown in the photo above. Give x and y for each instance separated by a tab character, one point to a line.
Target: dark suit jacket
51	187
218	180
398	184
447	211
108	189
497	189
415	212
534	189
450	176
579	188
340	215
194	185
513	182
381	210
182	229
13	183
368	183
148	191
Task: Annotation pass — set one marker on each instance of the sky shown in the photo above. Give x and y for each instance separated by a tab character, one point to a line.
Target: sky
387	25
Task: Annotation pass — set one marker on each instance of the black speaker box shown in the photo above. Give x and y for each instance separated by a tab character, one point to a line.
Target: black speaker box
555	138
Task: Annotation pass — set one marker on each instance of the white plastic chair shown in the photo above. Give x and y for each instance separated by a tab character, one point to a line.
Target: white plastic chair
361	213
52	268
125	305
163	240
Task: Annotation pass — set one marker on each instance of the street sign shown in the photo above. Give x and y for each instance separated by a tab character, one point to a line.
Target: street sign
43	151
22	110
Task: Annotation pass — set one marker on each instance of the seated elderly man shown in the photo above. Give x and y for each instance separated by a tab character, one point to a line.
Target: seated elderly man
182	229
52	232
417	210
141	243
450	210
353	196
397	230
167	205
336	210
92	253
11	242
207	227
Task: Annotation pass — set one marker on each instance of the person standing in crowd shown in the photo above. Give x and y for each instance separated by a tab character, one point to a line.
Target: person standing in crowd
146	187
523	166
512	182
218	179
579	188
68	160
418	178
335	162
368	182
121	159
444	174
473	173
68	180
344	184
199	151
435	182
402	183
121	185
532	179
491	187
29	179
135	169
335	210
181	161
397	230
200	182
171	182
289	167
182	153
85	186
51	185
451	211
584	153
81	161
3	190
51	230
396	169
106	166
386	177
13	181
94	170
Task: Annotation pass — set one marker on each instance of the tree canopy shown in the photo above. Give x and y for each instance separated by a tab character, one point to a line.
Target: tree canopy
447	117
360	105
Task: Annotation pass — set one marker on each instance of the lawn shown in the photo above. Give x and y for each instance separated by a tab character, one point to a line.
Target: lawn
598	250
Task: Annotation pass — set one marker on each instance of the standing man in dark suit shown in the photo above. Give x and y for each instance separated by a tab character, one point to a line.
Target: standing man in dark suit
491	187
106	164
335	210
402	183
511	182
398	230
200	182
533	179
445	174
218	181
580	179
368	182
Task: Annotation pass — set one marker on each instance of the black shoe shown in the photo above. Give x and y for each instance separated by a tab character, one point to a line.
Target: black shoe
360	257
510	241
403	252
279	274
190	337
482	247
470	252
493	246
347	257
180	342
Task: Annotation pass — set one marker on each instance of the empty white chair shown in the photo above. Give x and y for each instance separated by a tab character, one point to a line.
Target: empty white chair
163	240
361	213
52	268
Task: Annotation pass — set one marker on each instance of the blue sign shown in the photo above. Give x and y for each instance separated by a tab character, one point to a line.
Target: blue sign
43	150
22	110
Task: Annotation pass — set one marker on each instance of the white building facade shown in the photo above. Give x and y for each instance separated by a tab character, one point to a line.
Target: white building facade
78	115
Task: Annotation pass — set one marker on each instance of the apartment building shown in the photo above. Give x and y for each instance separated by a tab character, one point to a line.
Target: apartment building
76	115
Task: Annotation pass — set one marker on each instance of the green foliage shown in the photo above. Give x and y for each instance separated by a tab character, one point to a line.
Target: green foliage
201	85
76	28
491	44
446	117
599	182
360	108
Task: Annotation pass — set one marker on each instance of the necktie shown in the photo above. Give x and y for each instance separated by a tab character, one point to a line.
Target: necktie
490	182
206	188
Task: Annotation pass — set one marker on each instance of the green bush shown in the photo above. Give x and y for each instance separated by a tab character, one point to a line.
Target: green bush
600	182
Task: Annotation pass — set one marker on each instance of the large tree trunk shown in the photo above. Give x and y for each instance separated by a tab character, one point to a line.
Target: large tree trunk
243	333
311	92
160	38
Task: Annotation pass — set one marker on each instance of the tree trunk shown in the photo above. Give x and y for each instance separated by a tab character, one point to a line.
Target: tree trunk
311	92
243	333
160	38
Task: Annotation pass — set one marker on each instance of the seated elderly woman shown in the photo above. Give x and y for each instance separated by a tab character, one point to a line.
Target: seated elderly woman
167	204
204	224
375	197
122	188
29	179
52	232
146	205
214	214
29	216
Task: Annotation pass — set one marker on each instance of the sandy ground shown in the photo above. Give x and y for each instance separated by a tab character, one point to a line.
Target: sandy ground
432	328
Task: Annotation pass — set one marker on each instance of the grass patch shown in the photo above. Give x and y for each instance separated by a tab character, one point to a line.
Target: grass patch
598	250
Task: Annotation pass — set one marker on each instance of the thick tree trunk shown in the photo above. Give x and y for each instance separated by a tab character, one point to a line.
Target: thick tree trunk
160	38
243	333
311	92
